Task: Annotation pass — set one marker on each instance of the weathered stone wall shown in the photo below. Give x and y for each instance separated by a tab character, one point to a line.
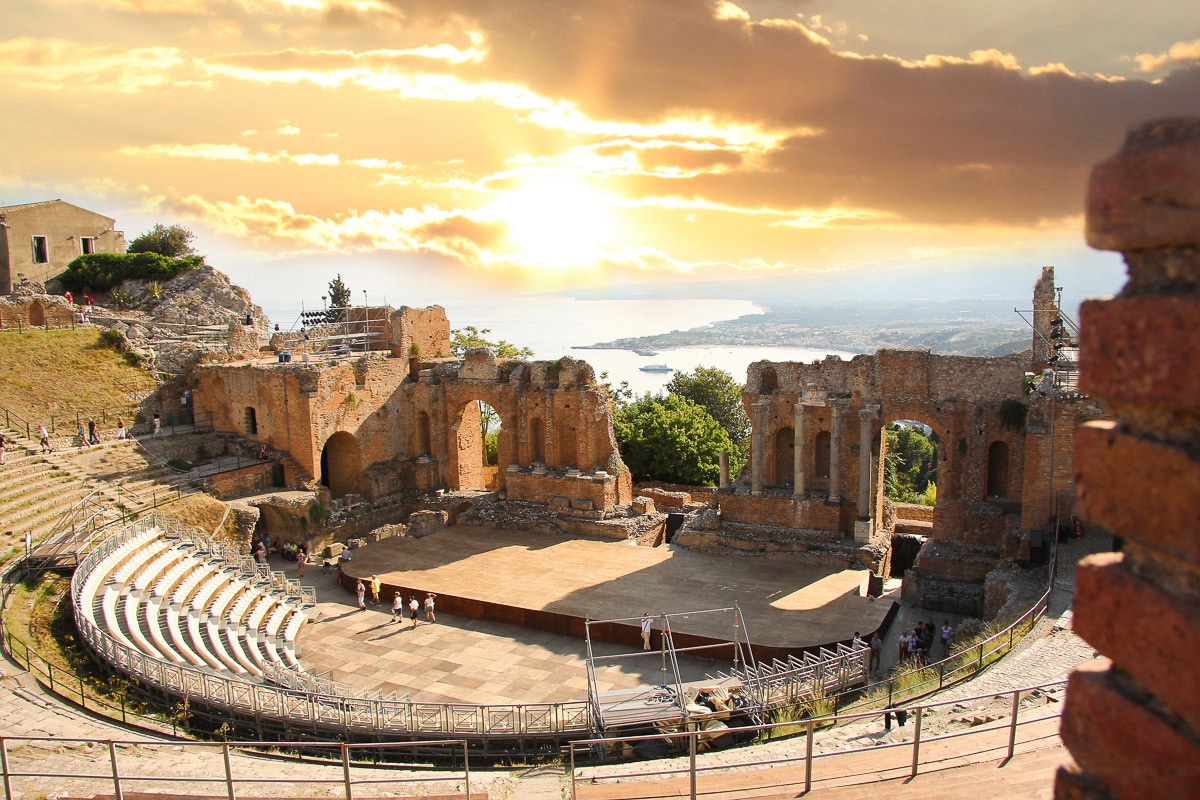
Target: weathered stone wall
253	478
23	313
1132	723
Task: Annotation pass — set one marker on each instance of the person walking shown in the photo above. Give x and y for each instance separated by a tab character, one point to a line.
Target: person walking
361	592
45	438
83	442
947	635
429	603
376	585
413	605
120	429
3	444
876	652
92	437
301	560
397	608
646	631
155	424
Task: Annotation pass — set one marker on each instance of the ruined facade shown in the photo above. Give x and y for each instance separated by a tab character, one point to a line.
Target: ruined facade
38	240
378	421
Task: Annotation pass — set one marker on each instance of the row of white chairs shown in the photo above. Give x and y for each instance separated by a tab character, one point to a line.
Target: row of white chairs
178	603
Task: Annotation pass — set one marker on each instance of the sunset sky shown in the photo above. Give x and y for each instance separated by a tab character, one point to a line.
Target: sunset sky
436	146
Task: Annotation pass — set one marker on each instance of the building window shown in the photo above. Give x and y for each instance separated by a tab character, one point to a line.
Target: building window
41	250
87	245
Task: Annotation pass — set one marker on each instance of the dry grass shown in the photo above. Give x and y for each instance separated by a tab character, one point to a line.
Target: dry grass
60	371
202	511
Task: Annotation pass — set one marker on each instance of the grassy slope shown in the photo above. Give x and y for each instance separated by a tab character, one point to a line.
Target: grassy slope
58	371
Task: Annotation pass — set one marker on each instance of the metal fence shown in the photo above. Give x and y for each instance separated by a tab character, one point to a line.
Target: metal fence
112	770
690	742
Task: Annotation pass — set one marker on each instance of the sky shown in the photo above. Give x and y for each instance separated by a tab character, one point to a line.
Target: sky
424	148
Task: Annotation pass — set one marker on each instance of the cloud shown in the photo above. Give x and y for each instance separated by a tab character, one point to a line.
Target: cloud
1180	53
63	66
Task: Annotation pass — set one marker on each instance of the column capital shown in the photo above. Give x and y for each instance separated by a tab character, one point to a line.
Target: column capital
869	411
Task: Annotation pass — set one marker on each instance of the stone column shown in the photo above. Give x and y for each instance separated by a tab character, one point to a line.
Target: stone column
759	410
723	465
866	418
1132	720
799	479
835	454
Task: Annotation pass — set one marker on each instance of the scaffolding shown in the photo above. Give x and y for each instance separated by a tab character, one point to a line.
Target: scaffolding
343	331
671	700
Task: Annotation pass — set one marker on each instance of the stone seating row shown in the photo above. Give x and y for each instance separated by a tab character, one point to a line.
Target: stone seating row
167	599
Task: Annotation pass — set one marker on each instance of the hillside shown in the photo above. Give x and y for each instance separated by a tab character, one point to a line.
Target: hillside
61	371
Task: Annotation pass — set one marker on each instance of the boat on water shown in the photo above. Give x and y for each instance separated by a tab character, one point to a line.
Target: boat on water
656	368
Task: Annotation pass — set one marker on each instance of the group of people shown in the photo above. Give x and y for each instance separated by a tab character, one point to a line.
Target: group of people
83	311
398	603
918	642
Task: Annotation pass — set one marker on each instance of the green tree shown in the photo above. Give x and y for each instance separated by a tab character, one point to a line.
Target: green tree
670	438
720	395
172	241
619	395
910	467
339	293
470	337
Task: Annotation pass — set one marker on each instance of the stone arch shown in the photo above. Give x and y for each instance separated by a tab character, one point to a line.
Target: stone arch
998	462
537	441
785	458
421	446
821	456
341	464
37	314
567	439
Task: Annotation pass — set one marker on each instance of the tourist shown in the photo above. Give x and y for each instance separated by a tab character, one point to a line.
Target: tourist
301	560
361	592
260	552
397	607
83	442
413	605
429	617
1076	527
93	438
876	652
120	429
947	634
45	437
646	631
902	646
3	444
155	424
376	585
70	299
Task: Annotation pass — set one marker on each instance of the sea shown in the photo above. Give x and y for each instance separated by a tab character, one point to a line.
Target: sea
554	327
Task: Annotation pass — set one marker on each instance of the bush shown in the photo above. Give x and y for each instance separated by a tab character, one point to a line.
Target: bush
101	271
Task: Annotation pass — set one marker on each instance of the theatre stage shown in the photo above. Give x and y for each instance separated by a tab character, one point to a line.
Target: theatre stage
555	583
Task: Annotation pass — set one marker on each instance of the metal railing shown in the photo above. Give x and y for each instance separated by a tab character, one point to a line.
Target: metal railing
119	778
689	742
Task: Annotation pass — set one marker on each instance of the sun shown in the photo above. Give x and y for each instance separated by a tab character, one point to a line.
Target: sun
556	222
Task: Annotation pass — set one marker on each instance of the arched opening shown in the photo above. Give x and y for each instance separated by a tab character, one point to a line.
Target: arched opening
785	457
997	470
565	435
479	437
340	465
250	420
537	441
37	314
422	434
909	450
821	451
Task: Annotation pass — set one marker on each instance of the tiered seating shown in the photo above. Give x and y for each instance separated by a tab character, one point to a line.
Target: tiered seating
181	602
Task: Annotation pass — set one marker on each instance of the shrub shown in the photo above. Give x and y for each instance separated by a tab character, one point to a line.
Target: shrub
101	271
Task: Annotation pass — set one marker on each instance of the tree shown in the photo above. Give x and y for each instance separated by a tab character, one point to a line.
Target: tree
172	241
470	337
910	467
670	438
339	293
720	395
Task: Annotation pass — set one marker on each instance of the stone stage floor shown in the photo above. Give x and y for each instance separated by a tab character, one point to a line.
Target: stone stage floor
461	659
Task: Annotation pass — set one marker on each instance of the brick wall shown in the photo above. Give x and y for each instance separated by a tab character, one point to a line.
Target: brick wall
1132	720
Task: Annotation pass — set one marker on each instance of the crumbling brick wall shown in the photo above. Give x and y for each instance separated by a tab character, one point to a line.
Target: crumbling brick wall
1132	720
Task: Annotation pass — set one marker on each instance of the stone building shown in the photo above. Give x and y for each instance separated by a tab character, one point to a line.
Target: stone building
374	421
38	240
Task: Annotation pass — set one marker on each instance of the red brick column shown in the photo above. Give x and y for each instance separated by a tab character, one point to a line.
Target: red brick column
1132	721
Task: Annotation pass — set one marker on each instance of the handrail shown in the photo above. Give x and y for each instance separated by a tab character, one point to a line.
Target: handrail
691	738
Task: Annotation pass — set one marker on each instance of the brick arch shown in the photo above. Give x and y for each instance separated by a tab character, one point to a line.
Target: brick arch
341	464
467	444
